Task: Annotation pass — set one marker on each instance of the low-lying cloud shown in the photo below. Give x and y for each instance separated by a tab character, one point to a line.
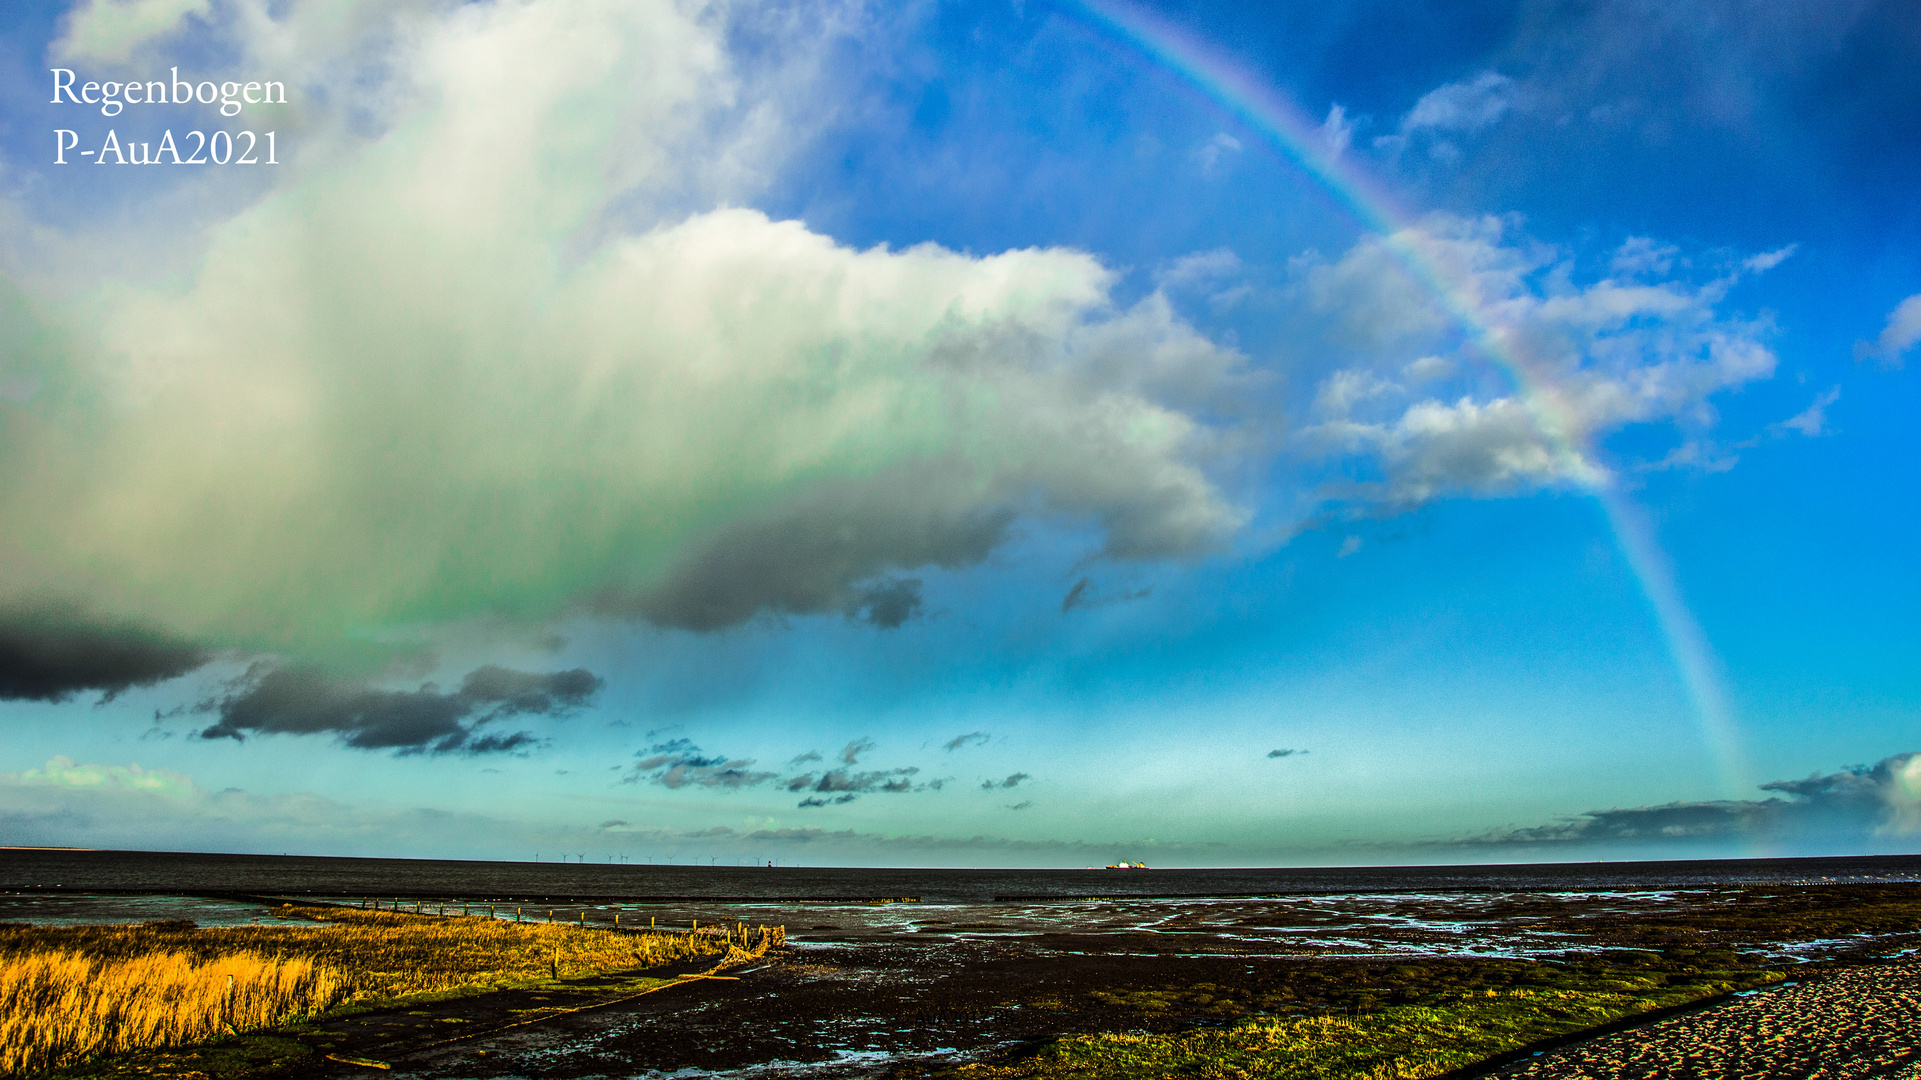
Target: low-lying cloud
1883	799
64	802
295	700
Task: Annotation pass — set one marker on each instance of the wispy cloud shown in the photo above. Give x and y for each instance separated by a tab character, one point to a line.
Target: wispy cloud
1811	421
1013	780
678	763
1210	154
1903	329
1085	594
972	738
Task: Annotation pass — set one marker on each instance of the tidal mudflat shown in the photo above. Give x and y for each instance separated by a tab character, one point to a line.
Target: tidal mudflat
1389	984
1417	984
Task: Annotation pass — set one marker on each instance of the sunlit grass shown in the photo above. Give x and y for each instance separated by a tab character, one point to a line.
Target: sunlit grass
59	1006
1402	1042
71	993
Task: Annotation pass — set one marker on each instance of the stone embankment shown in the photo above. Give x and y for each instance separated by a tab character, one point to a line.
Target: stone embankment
1861	1023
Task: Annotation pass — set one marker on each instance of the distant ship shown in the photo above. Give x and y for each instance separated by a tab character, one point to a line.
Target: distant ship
1127	866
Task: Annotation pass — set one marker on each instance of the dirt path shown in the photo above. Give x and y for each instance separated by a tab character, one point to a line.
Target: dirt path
1860	1023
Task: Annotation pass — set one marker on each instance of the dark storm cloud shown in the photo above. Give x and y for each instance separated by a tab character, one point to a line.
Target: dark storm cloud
886	604
304	701
51	654
971	737
1885	797
678	763
1013	781
846	785
824	552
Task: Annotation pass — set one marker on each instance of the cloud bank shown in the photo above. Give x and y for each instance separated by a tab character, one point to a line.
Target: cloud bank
1879	800
484	364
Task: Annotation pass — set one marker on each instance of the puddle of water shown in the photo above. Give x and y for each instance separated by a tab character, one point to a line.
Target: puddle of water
83	909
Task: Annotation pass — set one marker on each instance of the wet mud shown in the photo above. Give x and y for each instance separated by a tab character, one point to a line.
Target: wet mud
900	990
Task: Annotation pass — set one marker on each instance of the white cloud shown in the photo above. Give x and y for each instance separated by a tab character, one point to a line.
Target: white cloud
482	362
1466	106
1337	131
62	772
1201	268
1811	421
1699	455
111	30
1340	392
1210	154
1897	337
1641	255
1768	260
1583	360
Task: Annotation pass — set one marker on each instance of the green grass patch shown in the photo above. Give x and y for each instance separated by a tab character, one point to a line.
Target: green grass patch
1449	1031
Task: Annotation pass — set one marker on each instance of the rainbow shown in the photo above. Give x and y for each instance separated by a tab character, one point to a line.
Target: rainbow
1305	142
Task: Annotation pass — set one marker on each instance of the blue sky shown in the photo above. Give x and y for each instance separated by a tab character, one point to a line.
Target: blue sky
965	433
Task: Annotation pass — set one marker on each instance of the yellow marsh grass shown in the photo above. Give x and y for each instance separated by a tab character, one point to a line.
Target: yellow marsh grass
69	993
59	1006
